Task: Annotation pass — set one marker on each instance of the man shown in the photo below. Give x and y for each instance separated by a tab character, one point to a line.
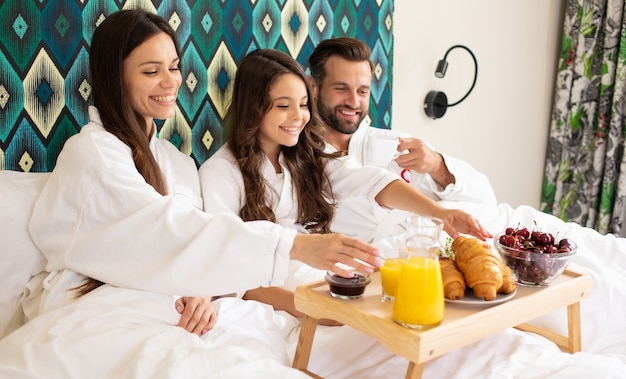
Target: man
341	76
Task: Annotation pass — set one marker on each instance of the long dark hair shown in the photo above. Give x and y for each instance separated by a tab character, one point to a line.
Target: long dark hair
256	74
116	37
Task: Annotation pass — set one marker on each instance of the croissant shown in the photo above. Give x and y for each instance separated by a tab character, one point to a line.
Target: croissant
508	282
480	264
453	280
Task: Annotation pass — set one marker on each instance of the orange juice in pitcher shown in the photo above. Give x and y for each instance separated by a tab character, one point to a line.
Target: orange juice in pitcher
419	300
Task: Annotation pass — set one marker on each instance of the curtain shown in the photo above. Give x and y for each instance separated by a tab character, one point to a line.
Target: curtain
583	179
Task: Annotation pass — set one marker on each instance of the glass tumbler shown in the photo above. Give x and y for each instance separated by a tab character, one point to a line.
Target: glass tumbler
393	260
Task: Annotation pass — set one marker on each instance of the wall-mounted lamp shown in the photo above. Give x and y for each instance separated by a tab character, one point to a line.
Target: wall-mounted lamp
436	102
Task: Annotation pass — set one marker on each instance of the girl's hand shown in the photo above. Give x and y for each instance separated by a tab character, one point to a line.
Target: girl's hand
457	221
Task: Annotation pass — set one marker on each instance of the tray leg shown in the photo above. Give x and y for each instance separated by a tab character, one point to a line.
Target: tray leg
305	343
574	344
414	371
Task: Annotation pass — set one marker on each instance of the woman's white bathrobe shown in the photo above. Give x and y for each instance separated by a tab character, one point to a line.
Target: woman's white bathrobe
96	216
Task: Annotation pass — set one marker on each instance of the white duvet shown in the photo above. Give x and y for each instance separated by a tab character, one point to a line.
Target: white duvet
94	338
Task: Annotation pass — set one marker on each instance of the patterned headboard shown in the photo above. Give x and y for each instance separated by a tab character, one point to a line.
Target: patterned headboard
45	89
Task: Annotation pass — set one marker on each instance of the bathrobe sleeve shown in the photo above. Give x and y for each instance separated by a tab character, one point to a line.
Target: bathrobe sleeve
350	180
470	184
221	183
97	216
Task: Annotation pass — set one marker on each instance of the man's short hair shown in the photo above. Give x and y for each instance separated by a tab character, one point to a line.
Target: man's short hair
350	49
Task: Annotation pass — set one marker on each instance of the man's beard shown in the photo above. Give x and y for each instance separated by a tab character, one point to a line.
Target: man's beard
329	117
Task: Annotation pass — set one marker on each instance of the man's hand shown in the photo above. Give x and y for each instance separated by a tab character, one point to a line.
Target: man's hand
197	314
422	159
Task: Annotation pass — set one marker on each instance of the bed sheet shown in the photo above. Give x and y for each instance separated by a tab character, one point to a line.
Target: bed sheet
121	333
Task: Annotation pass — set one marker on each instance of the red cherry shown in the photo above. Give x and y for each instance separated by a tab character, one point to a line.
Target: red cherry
510	241
535	235
543	239
550	249
524	233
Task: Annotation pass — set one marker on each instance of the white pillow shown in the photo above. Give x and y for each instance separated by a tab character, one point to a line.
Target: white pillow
19	256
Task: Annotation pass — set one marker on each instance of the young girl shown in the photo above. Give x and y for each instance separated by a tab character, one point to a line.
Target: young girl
273	166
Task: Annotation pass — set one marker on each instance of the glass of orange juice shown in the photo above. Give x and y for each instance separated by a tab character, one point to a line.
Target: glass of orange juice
419	299
393	259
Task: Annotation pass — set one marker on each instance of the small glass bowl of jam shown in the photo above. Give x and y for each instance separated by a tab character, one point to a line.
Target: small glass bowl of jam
347	288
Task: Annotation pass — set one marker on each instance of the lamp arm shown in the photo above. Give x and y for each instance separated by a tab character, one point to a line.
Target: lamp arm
475	70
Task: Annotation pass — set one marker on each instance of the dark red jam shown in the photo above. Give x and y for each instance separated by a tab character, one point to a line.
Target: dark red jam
347	287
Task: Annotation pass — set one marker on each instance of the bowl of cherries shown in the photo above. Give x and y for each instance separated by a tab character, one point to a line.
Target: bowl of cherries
535	257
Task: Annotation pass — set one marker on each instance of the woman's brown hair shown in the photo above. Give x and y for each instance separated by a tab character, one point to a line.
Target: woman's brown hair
116	37
256	74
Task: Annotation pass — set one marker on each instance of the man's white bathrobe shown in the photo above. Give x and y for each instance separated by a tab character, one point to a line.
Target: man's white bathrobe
360	218
96	216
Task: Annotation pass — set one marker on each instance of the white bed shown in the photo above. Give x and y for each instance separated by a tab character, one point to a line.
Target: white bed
89	338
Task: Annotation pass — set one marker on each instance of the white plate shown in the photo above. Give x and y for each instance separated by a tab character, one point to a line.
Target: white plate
470	299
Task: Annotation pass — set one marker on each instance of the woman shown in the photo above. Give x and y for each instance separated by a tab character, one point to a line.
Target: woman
124	235
273	166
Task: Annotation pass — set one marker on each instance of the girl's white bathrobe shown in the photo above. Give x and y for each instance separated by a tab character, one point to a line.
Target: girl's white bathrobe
223	191
96	216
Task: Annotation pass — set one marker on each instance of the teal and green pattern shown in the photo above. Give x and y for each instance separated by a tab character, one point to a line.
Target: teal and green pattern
44	46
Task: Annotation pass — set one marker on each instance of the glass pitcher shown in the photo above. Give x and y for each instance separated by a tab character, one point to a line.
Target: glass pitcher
419	301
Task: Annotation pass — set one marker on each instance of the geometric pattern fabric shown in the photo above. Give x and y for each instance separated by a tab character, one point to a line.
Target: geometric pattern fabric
44	47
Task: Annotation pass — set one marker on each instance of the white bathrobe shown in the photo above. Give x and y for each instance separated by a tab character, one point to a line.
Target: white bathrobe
360	218
470	184
223	191
97	217
223	188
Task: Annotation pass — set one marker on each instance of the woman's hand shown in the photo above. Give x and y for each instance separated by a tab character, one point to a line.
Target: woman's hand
197	314
457	221
324	251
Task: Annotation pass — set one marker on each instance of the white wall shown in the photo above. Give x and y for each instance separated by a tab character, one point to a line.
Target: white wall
502	127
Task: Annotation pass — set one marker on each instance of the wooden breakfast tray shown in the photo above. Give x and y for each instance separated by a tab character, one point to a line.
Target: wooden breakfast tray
462	324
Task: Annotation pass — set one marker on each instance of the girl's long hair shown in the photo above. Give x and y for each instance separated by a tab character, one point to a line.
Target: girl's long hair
116	37
256	75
